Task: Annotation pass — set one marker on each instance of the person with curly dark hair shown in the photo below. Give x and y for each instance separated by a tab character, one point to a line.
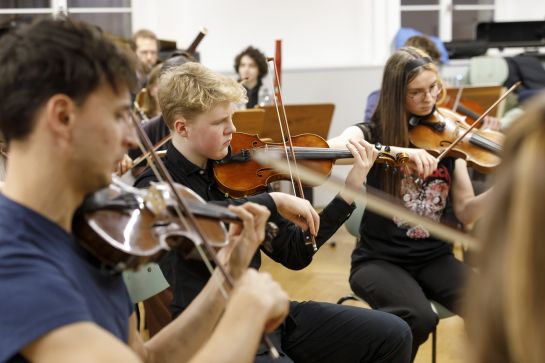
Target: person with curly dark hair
251	67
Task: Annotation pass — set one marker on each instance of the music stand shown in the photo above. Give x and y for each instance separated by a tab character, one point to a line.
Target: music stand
483	95
308	118
249	121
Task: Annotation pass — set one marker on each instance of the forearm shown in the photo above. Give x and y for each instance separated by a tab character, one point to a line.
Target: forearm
339	142
181	339
290	248
474	207
236	337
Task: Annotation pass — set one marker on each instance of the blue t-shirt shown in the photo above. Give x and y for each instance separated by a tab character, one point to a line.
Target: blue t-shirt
47	280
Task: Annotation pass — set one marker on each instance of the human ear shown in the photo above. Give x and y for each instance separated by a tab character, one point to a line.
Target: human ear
60	114
181	127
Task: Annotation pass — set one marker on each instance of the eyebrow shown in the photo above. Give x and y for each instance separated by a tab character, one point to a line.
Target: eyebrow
421	88
221	119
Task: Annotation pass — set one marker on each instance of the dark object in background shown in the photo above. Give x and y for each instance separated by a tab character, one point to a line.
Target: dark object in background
512	34
461	49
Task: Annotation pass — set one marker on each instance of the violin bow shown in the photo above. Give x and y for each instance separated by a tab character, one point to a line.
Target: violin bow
297	186
144	156
460	138
374	199
188	219
458	98
161	142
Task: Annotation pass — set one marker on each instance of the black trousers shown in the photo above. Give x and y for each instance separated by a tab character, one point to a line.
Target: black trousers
329	333
405	290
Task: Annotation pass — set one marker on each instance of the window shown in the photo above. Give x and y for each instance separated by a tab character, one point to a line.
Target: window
113	16
446	19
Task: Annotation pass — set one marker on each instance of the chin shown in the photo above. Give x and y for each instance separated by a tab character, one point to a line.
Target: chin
425	111
221	154
218	156
101	181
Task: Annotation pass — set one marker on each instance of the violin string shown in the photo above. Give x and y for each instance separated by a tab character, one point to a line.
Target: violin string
486	143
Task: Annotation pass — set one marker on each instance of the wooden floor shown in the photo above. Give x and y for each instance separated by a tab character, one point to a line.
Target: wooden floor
326	279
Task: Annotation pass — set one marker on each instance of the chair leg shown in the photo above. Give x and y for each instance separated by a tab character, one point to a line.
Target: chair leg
345	298
433	345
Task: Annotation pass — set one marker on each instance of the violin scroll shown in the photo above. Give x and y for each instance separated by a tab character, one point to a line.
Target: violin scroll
386	156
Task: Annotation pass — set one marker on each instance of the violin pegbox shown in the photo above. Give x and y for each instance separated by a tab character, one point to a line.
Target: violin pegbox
387	158
156	199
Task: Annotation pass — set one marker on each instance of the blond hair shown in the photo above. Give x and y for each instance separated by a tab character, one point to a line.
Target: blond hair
191	89
505	315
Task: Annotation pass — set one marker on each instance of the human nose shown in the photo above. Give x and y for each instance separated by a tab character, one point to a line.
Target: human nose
231	128
428	92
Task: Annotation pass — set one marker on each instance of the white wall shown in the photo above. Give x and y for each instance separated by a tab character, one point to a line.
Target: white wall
315	33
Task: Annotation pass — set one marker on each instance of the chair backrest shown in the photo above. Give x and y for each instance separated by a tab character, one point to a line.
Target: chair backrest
145	282
352	224
487	70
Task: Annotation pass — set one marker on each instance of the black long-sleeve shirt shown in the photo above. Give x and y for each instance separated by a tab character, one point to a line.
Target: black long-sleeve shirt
188	277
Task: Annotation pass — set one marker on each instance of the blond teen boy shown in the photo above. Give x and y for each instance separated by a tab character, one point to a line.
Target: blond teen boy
197	106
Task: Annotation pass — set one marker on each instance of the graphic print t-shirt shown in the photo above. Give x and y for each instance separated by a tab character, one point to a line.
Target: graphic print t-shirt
393	239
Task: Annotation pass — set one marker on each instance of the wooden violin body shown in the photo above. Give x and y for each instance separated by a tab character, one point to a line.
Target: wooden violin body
466	107
128	228
481	149
239	175
243	176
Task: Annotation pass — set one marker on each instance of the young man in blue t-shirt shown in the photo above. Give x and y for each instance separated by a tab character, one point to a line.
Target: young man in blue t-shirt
64	113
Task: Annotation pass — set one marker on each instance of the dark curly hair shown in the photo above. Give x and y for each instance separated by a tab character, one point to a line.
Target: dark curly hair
50	56
258	57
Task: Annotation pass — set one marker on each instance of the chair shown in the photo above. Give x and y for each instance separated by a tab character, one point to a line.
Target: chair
487	70
145	282
353	225
150	291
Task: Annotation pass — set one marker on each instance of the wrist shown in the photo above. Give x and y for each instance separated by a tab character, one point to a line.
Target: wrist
250	304
277	198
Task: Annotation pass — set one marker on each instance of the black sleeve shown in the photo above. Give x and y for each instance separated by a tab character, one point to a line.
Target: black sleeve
156	129
144	180
367	130
263	199
289	247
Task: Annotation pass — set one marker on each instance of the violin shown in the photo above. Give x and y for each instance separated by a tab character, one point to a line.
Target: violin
466	107
438	131
240	175
125	227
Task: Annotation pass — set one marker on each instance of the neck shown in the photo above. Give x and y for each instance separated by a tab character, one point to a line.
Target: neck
46	190
250	84
184	148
